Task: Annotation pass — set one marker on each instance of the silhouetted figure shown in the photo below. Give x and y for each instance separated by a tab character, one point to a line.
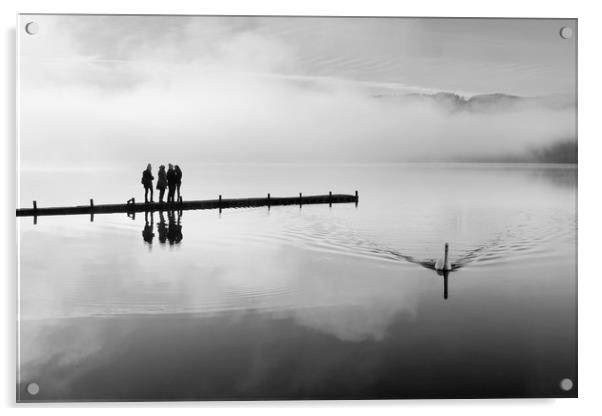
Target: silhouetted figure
147	182
171	183
161	182
147	232
162	228
178	172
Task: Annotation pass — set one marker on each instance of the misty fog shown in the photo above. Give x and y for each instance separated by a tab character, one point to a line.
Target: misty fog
247	91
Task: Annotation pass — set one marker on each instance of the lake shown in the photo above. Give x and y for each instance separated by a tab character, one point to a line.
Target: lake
311	302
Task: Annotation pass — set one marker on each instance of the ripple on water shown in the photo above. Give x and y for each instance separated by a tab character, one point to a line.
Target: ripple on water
520	241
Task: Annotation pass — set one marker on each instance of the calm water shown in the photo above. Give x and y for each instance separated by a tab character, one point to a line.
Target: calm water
294	303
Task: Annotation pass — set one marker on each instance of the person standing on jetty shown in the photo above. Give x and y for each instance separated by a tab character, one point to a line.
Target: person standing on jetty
178	179
161	182
171	183
147	182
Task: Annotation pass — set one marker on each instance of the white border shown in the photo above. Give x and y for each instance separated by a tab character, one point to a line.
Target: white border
18	193
590	278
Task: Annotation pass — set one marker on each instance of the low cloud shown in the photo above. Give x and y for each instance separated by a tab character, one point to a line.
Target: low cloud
233	96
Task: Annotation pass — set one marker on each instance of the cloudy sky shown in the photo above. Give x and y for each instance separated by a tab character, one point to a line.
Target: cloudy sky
99	90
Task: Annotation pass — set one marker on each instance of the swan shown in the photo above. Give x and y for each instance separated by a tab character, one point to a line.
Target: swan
443	264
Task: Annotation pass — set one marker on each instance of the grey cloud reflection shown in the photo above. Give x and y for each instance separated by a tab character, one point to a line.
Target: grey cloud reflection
342	301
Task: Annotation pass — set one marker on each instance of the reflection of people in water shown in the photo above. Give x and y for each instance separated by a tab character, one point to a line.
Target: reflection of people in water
179	235
147	232
172	231
162	228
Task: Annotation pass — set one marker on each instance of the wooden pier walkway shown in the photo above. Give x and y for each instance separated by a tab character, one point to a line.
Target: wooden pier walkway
221	203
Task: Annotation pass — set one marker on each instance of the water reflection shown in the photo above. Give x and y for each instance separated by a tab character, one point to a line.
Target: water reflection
168	232
559	176
147	231
445	274
174	230
311	303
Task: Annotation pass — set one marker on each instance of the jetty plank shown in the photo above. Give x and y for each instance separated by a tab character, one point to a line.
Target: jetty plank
220	203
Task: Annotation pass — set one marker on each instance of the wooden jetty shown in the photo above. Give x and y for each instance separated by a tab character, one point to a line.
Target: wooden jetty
220	203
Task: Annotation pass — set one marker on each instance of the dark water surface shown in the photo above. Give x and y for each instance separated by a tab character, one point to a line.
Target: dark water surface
301	303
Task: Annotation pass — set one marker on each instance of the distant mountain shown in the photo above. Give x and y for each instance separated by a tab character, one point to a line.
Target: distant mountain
560	152
482	102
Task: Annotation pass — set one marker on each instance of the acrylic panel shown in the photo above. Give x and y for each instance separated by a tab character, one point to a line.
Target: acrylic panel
299	208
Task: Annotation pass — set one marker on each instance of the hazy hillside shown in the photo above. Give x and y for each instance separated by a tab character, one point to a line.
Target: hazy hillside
556	151
559	152
482	102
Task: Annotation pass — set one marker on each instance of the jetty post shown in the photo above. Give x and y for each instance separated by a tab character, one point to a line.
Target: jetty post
269	201
330	198
91	210
131	213
220	204
357	198
35	210
300	200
